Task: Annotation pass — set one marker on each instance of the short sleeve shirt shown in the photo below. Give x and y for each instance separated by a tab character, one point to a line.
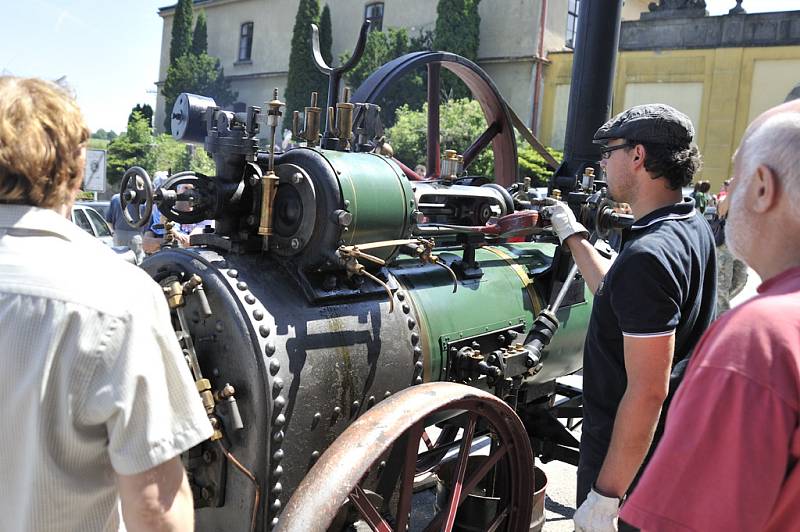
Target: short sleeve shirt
662	281
96	381
728	459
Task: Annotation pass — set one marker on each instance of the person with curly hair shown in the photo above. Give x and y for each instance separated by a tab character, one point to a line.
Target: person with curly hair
98	401
651	304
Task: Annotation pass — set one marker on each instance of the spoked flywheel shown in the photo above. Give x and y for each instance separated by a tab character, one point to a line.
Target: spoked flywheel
368	475
499	132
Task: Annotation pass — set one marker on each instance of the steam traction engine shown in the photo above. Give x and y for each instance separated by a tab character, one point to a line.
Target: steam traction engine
355	329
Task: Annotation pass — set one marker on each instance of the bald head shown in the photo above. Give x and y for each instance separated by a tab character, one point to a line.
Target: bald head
763	228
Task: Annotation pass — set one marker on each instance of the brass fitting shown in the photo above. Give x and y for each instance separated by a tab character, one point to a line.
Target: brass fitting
173	291
344	119
204	389
556	194
269	187
310	132
450	165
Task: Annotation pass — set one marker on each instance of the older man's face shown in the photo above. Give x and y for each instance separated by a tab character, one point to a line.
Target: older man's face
740	230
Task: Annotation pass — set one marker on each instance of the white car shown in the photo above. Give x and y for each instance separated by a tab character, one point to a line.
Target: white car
92	222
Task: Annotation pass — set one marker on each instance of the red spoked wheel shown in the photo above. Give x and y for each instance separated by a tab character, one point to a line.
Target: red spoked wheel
369	472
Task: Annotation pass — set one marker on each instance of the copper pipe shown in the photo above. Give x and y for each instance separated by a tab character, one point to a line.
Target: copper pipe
238	465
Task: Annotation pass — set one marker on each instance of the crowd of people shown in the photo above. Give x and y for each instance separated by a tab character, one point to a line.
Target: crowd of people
691	421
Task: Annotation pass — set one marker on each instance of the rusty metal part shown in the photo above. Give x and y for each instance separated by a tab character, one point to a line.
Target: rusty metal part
343	469
535	143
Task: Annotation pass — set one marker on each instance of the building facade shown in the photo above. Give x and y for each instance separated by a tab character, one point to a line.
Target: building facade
721	71
252	38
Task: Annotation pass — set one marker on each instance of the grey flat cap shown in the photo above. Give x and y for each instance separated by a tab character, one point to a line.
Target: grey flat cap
655	123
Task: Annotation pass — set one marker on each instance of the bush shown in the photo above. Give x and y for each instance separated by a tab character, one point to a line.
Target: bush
533	165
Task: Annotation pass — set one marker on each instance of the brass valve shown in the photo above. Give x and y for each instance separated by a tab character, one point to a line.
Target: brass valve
311	126
452	163
344	120
204	389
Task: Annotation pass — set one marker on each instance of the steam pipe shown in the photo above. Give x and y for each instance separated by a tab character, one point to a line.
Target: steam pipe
593	68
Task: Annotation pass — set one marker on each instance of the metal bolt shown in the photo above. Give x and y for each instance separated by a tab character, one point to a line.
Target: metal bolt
258	315
280	420
274	366
269	349
249	299
264	332
295	243
251	220
297	177
343	218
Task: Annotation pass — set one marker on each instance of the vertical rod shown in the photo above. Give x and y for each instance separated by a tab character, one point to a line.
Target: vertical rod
434	70
591	89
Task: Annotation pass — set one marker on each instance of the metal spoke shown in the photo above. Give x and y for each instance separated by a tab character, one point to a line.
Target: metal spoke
458	479
407	480
368	510
481	142
498	520
434	98
476	477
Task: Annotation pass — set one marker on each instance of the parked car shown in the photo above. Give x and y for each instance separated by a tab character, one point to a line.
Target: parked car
91	221
100	206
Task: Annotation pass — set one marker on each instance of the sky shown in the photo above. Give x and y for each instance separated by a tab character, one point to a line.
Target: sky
109	50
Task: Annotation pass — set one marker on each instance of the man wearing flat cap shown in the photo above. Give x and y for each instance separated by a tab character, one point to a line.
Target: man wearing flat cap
651	305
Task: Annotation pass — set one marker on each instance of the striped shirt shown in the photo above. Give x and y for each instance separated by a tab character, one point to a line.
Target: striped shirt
95	381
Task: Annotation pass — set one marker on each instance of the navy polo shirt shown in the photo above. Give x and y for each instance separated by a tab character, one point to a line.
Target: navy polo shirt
664	279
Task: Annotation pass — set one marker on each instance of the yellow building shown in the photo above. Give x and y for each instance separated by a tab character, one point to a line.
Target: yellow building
721	71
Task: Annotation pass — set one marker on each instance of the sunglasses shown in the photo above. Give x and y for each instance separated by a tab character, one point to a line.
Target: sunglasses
605	151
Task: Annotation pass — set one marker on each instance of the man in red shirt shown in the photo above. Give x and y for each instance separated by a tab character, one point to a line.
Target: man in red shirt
729	456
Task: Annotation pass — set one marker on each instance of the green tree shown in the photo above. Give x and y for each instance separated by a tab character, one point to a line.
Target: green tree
111	135
198	74
304	78
200	36
326	34
326	48
457	31
533	165
99	134
145	110
382	47
139	147
129	149
461	122
181	42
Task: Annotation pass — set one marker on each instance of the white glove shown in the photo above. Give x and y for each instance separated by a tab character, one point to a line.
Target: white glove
563	220
597	514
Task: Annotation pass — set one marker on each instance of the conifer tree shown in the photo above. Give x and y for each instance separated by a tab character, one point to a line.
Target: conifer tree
303	75
181	42
457	31
326	34
200	36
